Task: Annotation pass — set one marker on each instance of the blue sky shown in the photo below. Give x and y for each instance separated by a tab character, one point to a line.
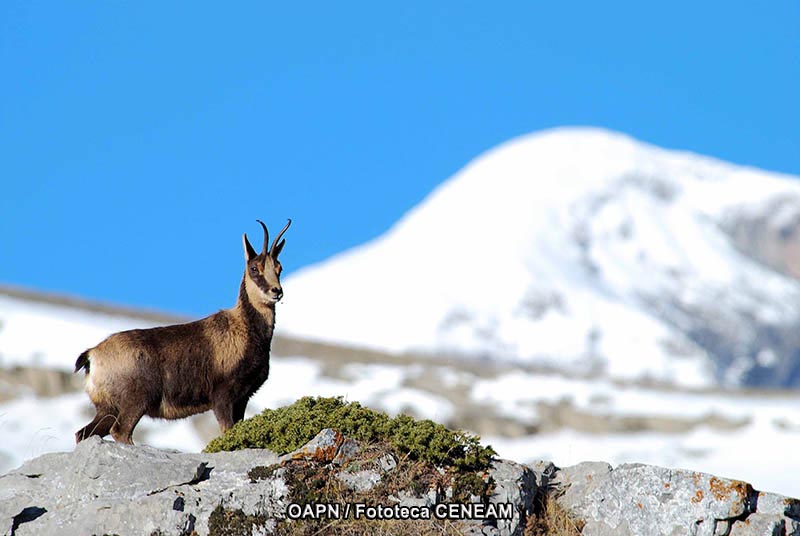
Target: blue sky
138	140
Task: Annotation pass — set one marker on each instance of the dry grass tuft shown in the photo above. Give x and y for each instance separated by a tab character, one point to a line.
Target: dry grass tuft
550	519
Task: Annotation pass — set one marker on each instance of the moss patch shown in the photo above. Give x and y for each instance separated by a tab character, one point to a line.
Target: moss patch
467	485
311	482
223	522
285	429
261	472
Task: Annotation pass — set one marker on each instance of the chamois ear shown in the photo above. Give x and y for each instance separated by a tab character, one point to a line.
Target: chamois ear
249	252
278	248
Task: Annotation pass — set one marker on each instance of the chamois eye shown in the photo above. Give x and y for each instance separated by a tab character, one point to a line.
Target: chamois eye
254	269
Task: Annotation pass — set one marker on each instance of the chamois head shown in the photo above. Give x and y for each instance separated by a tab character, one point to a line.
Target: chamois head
263	270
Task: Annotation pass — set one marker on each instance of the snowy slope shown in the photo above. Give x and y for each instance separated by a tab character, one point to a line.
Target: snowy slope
760	451
34	332
738	434
579	249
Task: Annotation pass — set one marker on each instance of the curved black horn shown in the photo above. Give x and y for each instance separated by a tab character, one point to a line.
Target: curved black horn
266	237
277	238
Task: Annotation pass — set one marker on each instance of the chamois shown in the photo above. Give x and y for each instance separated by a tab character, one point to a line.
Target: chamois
172	372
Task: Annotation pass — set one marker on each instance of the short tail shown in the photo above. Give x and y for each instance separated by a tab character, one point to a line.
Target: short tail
82	362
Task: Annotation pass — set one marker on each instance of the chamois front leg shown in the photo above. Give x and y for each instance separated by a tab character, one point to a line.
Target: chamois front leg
224	411
238	410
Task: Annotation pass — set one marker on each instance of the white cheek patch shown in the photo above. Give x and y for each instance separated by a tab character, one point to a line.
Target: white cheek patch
258	290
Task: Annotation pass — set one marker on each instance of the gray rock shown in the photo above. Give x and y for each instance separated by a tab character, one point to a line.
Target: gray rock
772	503
575	480
405	498
387	462
104	487
636	499
360	480
326	447
516	484
774	515
761	525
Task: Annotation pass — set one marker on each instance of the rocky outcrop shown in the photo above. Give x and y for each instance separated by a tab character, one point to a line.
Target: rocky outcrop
770	235
108	488
636	499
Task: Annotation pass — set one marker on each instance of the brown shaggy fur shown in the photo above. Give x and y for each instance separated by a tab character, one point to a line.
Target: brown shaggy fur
172	372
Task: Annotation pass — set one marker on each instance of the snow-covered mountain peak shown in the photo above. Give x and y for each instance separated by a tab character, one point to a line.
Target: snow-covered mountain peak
578	248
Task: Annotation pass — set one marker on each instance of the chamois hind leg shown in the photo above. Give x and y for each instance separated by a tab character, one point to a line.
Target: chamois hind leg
100	425
122	431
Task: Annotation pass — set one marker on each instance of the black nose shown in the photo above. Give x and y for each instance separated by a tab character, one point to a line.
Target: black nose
277	292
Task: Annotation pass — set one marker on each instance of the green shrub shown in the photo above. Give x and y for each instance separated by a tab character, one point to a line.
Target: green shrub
285	429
